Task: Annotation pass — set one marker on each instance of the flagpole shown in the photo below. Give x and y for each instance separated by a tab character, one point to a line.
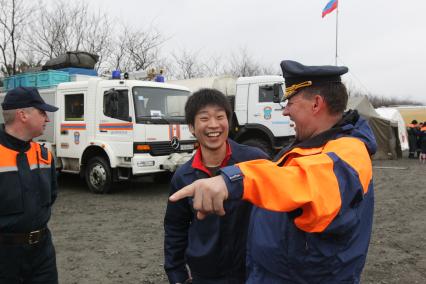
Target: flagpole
337	18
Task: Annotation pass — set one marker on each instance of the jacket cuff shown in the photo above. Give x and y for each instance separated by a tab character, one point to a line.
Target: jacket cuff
233	178
177	276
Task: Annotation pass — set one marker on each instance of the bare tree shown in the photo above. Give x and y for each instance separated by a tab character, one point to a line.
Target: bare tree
136	49
214	66
97	36
243	64
13	16
70	26
187	65
118	59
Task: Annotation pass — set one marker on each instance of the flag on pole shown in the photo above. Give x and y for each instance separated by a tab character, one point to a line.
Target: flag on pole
330	7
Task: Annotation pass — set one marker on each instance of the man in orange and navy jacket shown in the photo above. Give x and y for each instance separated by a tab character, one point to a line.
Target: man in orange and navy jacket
27	191
320	188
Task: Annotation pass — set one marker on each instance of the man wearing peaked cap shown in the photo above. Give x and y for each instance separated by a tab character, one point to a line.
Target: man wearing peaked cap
27	191
23	97
298	76
319	189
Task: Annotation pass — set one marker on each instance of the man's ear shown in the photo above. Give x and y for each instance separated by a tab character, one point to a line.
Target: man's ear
21	115
318	103
191	129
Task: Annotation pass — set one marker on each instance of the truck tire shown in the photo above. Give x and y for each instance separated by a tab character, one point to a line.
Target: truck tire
98	175
261	144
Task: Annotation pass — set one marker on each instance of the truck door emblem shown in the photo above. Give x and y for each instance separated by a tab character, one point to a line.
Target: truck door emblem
267	113
77	137
174	143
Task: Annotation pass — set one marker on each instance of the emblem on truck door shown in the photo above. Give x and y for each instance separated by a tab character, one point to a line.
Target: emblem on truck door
77	137
174	143
267	113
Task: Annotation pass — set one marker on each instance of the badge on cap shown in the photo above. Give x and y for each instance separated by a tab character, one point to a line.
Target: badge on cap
298	76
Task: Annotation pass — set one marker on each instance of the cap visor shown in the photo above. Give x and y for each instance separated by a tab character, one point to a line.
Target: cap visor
47	107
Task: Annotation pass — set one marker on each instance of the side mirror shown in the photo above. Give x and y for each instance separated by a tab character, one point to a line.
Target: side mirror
278	93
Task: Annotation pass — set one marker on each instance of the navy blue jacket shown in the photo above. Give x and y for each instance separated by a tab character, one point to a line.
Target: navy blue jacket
27	185
324	188
213	247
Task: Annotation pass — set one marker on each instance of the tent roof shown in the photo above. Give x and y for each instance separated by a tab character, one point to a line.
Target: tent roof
363	105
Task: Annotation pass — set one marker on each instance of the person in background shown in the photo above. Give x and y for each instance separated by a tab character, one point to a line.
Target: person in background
27	191
213	248
413	137
419	139
422	135
151	74
322	182
159	77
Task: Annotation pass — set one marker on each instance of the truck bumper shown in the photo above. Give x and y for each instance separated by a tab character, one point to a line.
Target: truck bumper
145	164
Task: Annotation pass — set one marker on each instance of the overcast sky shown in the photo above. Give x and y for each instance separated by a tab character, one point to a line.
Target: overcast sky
382	42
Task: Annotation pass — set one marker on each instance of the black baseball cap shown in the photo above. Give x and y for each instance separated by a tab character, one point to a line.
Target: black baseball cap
22	97
299	76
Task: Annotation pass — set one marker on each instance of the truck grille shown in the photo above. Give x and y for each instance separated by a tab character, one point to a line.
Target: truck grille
164	148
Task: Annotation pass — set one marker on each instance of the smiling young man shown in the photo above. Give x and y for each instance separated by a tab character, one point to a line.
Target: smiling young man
27	191
213	248
322	185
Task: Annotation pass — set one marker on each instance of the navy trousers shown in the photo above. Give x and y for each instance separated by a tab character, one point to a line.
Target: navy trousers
29	264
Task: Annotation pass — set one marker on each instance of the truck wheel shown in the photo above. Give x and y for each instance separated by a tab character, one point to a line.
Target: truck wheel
98	175
261	144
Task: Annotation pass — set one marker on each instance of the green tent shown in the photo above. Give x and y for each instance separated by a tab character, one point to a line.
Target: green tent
385	131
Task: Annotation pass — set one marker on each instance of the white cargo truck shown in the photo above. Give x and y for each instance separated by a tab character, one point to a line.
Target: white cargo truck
112	130
257	114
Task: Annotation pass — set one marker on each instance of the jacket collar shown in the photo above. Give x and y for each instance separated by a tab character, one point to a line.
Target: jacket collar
13	143
350	122
197	162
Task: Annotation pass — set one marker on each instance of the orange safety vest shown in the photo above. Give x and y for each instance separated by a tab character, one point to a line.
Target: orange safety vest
27	188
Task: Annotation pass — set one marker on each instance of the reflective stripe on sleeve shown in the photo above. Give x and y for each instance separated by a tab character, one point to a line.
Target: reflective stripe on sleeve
42	166
8	169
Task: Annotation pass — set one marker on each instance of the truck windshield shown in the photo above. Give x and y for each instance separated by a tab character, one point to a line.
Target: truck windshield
159	105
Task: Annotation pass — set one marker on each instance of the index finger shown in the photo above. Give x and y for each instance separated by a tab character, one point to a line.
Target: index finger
186	191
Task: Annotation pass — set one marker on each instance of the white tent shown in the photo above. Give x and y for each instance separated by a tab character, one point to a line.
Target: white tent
394	115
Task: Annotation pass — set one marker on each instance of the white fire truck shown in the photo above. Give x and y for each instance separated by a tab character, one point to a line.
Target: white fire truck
111	130
257	119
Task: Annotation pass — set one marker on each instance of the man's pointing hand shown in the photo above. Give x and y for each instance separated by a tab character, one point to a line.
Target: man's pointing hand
208	196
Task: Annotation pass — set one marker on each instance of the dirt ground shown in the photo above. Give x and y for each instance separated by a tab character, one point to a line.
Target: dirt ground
118	238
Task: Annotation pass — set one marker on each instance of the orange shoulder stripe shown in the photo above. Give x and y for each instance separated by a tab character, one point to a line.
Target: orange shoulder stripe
8	157
306	181
34	155
354	152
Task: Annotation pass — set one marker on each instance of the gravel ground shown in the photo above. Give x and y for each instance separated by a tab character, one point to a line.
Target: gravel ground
118	238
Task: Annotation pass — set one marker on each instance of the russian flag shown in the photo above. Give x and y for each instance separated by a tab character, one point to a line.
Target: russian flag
329	7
